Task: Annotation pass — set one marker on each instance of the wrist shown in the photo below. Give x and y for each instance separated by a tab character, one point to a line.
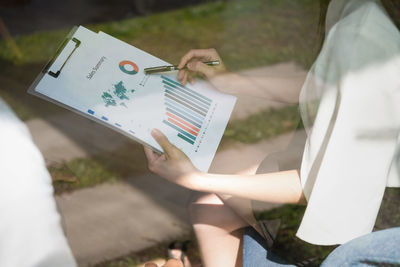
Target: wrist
195	181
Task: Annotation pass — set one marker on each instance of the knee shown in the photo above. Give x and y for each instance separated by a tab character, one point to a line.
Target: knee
208	210
202	206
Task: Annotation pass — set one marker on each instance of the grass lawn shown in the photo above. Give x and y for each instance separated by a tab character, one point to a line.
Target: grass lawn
247	34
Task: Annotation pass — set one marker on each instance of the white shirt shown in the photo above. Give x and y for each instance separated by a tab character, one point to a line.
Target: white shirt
352	98
30	230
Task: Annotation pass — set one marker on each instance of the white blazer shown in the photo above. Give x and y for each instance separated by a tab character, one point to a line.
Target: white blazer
30	229
350	105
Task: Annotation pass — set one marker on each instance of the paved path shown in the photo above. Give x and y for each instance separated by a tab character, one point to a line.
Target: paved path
111	220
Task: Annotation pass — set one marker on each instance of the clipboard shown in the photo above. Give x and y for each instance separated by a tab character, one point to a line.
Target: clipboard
62	55
102	78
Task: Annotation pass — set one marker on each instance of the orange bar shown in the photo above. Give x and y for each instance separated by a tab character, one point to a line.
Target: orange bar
183	127
183	122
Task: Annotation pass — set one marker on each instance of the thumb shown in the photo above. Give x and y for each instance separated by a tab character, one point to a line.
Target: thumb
163	141
199	66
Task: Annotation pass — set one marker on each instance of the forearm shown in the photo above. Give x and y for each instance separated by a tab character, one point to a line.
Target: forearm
278	187
260	87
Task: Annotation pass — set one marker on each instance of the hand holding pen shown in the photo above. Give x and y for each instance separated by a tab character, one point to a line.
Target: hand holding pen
206	62
194	61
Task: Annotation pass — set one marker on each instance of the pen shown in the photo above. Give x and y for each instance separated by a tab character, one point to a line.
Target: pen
175	67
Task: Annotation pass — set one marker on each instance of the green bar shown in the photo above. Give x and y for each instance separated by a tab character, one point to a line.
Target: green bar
185	138
190	90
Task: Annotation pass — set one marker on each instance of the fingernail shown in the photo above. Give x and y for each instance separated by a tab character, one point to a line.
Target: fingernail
155	132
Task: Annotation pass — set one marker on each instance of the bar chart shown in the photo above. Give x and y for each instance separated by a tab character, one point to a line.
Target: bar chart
185	109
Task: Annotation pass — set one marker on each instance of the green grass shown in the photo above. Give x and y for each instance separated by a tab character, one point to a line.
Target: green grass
246	33
79	173
287	245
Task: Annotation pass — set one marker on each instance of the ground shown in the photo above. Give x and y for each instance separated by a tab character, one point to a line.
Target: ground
118	214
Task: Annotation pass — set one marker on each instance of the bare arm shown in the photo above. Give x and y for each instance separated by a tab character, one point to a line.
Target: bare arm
175	166
277	187
232	83
260	87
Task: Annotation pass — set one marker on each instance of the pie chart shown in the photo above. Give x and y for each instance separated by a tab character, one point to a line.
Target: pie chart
128	67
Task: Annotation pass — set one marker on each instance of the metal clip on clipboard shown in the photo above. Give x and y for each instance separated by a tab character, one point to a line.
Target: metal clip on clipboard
69	44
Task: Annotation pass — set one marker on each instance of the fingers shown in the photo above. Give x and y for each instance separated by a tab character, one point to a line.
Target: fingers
150	155
172	263
184	80
162	140
202	54
201	67
193	60
190	78
181	73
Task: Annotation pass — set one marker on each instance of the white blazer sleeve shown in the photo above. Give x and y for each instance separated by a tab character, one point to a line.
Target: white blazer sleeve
352	144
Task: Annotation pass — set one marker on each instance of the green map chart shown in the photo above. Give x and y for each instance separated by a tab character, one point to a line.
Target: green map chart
117	95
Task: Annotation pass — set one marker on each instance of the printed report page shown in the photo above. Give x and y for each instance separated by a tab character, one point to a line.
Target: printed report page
105	80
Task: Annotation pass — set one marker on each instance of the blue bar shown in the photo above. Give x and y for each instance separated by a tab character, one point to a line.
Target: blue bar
173	87
179	130
184	110
186	139
90	111
187	101
187	97
117	124
190	90
104	118
184	104
184	118
132	132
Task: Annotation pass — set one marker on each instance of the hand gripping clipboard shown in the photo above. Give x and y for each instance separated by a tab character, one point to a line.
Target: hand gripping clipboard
103	79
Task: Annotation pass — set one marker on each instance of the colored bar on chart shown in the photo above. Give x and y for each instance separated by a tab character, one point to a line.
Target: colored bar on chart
183	110
186	109
185	138
184	104
191	103
184	87
183	127
187	97
186	92
183	122
184	117
180	130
